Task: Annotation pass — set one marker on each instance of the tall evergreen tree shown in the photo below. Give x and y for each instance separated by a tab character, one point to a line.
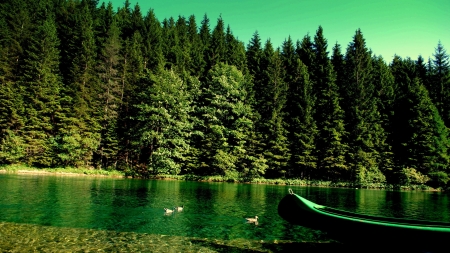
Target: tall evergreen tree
124	20
440	84
41	85
217	46
304	131
136	20
305	51
171	46
427	148
384	94
184	57
403	72
152	39
110	96
79	129
163	124
131	72
422	71
226	119
273	115
329	114
254	55
289	58
12	35
337	60
367	138
235	52
198	63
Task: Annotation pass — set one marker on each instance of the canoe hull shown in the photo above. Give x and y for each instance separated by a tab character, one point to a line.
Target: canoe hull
357	228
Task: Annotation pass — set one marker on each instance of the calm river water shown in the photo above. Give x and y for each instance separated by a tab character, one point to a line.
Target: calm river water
66	214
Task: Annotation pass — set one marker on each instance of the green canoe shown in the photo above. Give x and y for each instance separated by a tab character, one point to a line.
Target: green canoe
359	228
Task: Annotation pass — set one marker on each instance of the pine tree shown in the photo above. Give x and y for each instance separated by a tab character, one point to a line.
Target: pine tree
136	20
226	122
198	63
305	51
304	130
110	96
337	60
217	46
254	55
131	71
289	58
403	72
11	52
367	138
17	28
124	20
171	46
205	38
152	40
163	124
12	148
272	116
105	17
329	115
184	57
440	83
427	148
384	93
41	85
422	72
235	52
78	127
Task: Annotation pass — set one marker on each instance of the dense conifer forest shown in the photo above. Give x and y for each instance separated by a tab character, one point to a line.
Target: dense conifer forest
88	84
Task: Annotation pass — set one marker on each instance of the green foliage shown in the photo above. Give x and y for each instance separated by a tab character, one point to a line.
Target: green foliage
303	128
41	85
439	179
217	47
367	137
410	176
12	148
370	177
152	43
440	82
74	148
272	114
163	122
226	121
110	95
330	144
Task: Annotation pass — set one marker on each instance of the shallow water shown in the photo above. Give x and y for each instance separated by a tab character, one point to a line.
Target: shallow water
61	213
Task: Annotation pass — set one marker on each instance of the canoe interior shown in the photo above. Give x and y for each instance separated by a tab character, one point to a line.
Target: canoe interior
362	229
392	220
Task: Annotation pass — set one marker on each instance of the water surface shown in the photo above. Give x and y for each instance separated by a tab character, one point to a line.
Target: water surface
66	213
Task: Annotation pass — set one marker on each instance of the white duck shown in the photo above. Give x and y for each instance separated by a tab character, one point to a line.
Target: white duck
252	220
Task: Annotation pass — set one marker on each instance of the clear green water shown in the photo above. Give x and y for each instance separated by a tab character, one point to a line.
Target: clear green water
85	214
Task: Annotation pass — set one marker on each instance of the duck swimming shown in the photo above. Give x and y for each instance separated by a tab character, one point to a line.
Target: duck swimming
252	220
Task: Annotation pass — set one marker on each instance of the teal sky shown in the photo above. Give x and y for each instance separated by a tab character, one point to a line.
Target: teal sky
408	28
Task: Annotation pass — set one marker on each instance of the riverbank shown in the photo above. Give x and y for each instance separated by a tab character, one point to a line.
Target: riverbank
22	169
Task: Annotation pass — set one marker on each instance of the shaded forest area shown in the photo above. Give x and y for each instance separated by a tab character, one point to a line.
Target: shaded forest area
87	85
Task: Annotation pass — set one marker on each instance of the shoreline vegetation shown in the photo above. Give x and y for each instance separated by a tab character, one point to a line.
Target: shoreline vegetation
24	169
